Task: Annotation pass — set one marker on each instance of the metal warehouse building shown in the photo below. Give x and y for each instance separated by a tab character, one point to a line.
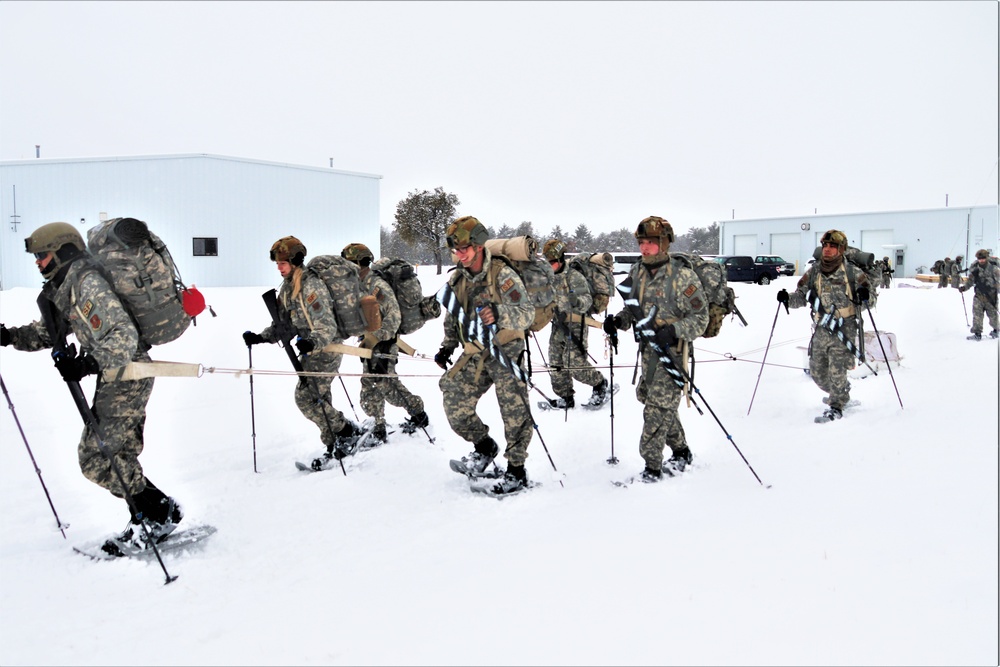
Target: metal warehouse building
218	215
913	240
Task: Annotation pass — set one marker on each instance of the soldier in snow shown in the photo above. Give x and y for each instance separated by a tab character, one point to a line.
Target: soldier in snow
834	289
681	315
945	277
985	277
568	335
956	272
380	384
491	290
886	273
85	303
306	310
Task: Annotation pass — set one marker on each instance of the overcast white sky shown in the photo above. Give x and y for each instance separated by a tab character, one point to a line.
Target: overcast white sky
560	113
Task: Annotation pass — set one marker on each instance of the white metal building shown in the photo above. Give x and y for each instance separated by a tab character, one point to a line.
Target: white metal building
218	215
913	240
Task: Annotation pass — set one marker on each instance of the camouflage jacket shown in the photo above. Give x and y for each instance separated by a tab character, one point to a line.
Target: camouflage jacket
985	278
835	293
93	313
388	307
310	312
676	292
572	293
508	294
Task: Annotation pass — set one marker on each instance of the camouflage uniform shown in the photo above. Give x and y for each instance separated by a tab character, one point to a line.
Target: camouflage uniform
568	339
311	313
956	272
829	359
376	391
886	273
476	371
986	279
945	276
104	329
677	293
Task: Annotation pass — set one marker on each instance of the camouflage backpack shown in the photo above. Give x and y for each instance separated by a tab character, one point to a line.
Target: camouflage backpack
137	264
342	280
521	253
721	297
855	260
596	268
414	307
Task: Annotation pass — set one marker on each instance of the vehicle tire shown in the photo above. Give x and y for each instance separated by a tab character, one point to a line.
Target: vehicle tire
764	280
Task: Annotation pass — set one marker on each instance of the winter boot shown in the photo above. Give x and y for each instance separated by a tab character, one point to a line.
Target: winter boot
829	415
995	334
975	336
678	461
378	436
345	441
600	394
132	540
651	475
413	422
480	458
562	403
514	480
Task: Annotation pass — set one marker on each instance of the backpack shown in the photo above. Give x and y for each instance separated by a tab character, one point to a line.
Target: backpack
856	260
521	254
342	280
721	297
414	308
596	268
137	264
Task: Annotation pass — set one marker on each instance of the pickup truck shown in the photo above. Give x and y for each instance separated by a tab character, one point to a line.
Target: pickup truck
742	269
783	268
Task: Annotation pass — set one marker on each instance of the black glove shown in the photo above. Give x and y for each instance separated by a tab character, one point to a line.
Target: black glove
251	338
863	294
74	369
666	336
960	289
4	336
783	296
305	346
612	323
380	357
443	357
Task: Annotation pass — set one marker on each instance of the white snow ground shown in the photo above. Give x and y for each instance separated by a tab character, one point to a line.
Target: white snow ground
876	543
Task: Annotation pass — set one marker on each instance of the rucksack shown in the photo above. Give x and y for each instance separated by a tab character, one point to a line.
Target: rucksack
596	268
343	281
414	307
856	260
721	297
521	254
142	273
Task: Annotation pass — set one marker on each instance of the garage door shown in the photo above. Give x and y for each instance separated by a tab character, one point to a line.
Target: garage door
872	241
745	244
786	246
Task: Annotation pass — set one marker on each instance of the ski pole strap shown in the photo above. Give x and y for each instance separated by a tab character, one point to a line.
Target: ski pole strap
342	348
139	370
473	330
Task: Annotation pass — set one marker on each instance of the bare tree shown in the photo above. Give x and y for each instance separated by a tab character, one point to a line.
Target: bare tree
422	219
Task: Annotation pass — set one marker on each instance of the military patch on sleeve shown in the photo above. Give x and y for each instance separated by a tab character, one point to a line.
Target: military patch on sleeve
317	306
515	296
95	322
507	285
696	303
87	307
689	291
312	297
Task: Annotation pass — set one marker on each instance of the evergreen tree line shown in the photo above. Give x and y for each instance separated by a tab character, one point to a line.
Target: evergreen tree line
418	232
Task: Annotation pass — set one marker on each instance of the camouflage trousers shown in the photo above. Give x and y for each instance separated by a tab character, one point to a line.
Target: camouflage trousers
829	361
462	390
979	306
942	281
377	390
661	425
313	398
569	363
120	409
886	280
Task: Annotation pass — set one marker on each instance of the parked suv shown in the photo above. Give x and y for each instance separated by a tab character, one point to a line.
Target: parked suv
742	269
784	268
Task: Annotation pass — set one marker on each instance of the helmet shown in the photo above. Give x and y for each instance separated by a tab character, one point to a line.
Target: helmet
554	250
886	258
357	253
466	230
836	237
982	254
655	227
61	239
288	249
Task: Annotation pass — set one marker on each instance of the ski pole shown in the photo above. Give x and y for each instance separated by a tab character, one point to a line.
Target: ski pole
965	310
349	401
59	524
886	357
762	362
253	417
612	346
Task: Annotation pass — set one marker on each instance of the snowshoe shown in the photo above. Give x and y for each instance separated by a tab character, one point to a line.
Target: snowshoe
995	334
476	463
829	415
599	398
410	426
975	336
557	403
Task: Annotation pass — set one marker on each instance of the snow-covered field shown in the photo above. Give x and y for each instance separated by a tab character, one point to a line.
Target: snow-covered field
876	543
